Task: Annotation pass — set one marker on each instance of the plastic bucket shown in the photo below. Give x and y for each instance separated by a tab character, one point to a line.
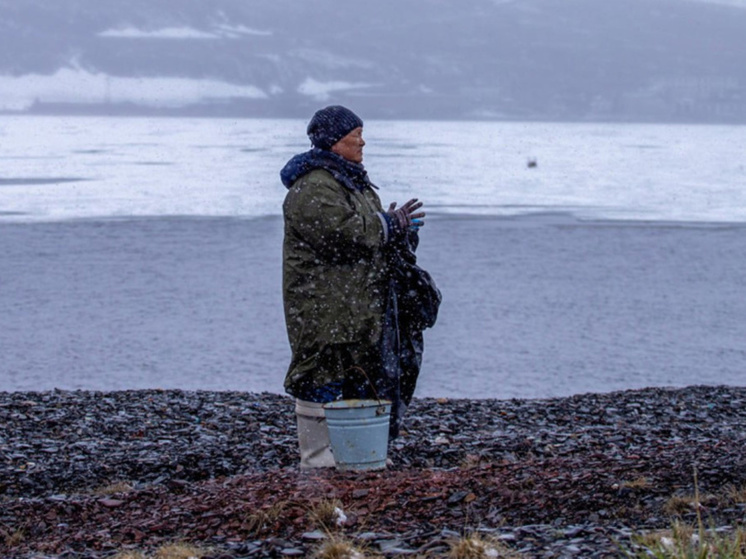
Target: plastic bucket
359	433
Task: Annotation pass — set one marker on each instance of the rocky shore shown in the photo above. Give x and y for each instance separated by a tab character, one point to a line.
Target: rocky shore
93	474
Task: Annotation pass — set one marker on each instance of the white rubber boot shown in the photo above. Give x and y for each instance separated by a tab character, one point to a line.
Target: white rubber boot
313	436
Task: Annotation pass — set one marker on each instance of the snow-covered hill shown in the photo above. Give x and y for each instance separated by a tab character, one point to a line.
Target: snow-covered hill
519	59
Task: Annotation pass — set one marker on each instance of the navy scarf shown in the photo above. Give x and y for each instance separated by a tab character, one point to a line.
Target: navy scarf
350	174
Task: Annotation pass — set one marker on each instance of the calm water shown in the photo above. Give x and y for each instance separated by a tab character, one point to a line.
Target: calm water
546	292
62	168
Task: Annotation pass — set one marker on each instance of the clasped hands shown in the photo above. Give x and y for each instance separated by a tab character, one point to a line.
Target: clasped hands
407	215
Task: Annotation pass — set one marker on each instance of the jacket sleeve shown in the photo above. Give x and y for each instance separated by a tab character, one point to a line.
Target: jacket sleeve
338	224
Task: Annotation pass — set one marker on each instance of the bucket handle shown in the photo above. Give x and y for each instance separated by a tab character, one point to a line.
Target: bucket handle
372	386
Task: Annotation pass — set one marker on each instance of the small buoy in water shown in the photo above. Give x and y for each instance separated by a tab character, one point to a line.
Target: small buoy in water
532	163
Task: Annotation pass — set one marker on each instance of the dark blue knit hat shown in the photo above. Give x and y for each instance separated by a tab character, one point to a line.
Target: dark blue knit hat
331	124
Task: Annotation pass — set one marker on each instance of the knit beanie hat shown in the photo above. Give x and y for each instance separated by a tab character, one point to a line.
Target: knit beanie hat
331	124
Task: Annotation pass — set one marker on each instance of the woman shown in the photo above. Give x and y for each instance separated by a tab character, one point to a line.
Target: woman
340	253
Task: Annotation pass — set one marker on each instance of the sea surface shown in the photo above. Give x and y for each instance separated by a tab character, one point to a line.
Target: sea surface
146	253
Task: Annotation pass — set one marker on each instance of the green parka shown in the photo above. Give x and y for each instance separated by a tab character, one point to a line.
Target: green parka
335	277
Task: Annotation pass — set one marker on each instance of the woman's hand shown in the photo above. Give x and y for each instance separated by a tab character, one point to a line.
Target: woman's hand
407	215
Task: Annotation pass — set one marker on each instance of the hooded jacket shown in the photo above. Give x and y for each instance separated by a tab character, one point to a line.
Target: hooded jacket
335	271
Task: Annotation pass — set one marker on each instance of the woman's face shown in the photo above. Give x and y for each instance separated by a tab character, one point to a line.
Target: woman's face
351	146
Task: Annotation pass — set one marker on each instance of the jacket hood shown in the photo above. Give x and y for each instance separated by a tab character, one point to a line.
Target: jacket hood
352	175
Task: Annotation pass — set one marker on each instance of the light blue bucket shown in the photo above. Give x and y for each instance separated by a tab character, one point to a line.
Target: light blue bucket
359	433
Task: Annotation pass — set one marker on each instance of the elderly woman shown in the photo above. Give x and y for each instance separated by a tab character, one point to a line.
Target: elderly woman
340	252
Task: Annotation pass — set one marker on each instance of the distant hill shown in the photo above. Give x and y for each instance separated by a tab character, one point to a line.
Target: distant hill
629	60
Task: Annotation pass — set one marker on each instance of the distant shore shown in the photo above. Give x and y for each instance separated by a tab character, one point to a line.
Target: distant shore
280	109
98	472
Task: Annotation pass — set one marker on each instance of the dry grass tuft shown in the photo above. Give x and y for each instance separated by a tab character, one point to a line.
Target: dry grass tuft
735	495
686	542
180	551
129	555
15	538
113	488
471	461
678	505
327	515
475	546
266	519
638	483
338	549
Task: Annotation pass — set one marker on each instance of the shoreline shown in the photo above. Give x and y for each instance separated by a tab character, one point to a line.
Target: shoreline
529	217
96	472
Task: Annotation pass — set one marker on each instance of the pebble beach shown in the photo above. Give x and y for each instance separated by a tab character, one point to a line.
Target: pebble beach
89	474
